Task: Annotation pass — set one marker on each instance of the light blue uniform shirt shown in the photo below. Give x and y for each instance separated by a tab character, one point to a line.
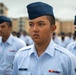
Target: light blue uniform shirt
62	43
7	53
54	61
72	47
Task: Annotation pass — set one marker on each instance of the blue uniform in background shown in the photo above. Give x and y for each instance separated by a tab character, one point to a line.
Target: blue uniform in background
54	61
72	48
7	53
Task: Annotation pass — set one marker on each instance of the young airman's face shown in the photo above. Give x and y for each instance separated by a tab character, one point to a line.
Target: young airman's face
41	30
4	29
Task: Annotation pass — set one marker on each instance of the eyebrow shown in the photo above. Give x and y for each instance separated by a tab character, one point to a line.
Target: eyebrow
37	22
2	25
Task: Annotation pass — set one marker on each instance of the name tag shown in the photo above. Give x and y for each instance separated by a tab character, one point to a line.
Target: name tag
22	69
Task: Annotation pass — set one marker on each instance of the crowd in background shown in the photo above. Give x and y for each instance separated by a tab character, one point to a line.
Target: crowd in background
24	36
62	39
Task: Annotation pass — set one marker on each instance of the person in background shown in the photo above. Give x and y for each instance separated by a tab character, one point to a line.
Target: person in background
74	37
55	38
72	46
69	38
44	57
62	41
14	33
9	45
26	38
22	35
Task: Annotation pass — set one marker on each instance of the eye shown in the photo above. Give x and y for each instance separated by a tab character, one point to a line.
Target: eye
31	24
41	24
3	26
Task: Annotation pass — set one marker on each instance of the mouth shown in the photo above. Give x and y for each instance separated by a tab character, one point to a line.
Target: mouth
35	35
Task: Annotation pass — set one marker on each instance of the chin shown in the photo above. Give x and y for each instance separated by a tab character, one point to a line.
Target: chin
36	41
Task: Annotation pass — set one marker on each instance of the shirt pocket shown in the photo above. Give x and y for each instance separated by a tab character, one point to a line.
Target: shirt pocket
10	57
24	73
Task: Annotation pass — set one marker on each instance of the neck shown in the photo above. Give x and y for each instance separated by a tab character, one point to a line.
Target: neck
4	38
41	47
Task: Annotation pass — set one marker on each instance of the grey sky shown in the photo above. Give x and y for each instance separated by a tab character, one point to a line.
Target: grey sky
63	9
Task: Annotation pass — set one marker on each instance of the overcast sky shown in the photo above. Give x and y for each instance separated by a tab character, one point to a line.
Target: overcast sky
63	9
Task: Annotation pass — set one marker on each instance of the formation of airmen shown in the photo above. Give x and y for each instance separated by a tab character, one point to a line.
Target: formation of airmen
61	40
64	40
41	53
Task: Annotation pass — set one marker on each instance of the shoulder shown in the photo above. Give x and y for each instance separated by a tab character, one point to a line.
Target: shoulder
17	40
66	56
23	52
64	51
72	44
27	48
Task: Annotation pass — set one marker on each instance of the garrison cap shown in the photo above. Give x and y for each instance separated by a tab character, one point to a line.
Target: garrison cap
75	21
38	9
4	19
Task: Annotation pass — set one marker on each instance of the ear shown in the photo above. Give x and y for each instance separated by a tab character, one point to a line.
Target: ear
10	28
53	28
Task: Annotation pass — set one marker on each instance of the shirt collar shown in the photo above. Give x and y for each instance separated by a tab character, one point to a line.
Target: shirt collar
32	50
50	49
9	40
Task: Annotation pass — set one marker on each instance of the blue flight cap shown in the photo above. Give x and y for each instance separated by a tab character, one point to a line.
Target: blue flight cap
75	21
38	9
4	19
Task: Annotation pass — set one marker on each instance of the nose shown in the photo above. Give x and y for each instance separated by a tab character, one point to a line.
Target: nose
36	29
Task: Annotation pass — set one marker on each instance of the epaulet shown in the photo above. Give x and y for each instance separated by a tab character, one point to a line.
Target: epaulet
24	49
63	50
73	44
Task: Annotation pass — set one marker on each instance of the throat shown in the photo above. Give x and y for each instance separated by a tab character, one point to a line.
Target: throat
4	39
40	49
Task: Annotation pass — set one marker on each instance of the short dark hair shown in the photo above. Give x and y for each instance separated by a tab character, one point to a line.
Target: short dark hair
51	18
9	24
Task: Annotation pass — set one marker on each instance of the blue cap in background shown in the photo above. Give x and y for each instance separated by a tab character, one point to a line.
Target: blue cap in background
4	19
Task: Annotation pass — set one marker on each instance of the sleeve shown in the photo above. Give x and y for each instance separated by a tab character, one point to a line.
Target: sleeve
72	66
21	45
